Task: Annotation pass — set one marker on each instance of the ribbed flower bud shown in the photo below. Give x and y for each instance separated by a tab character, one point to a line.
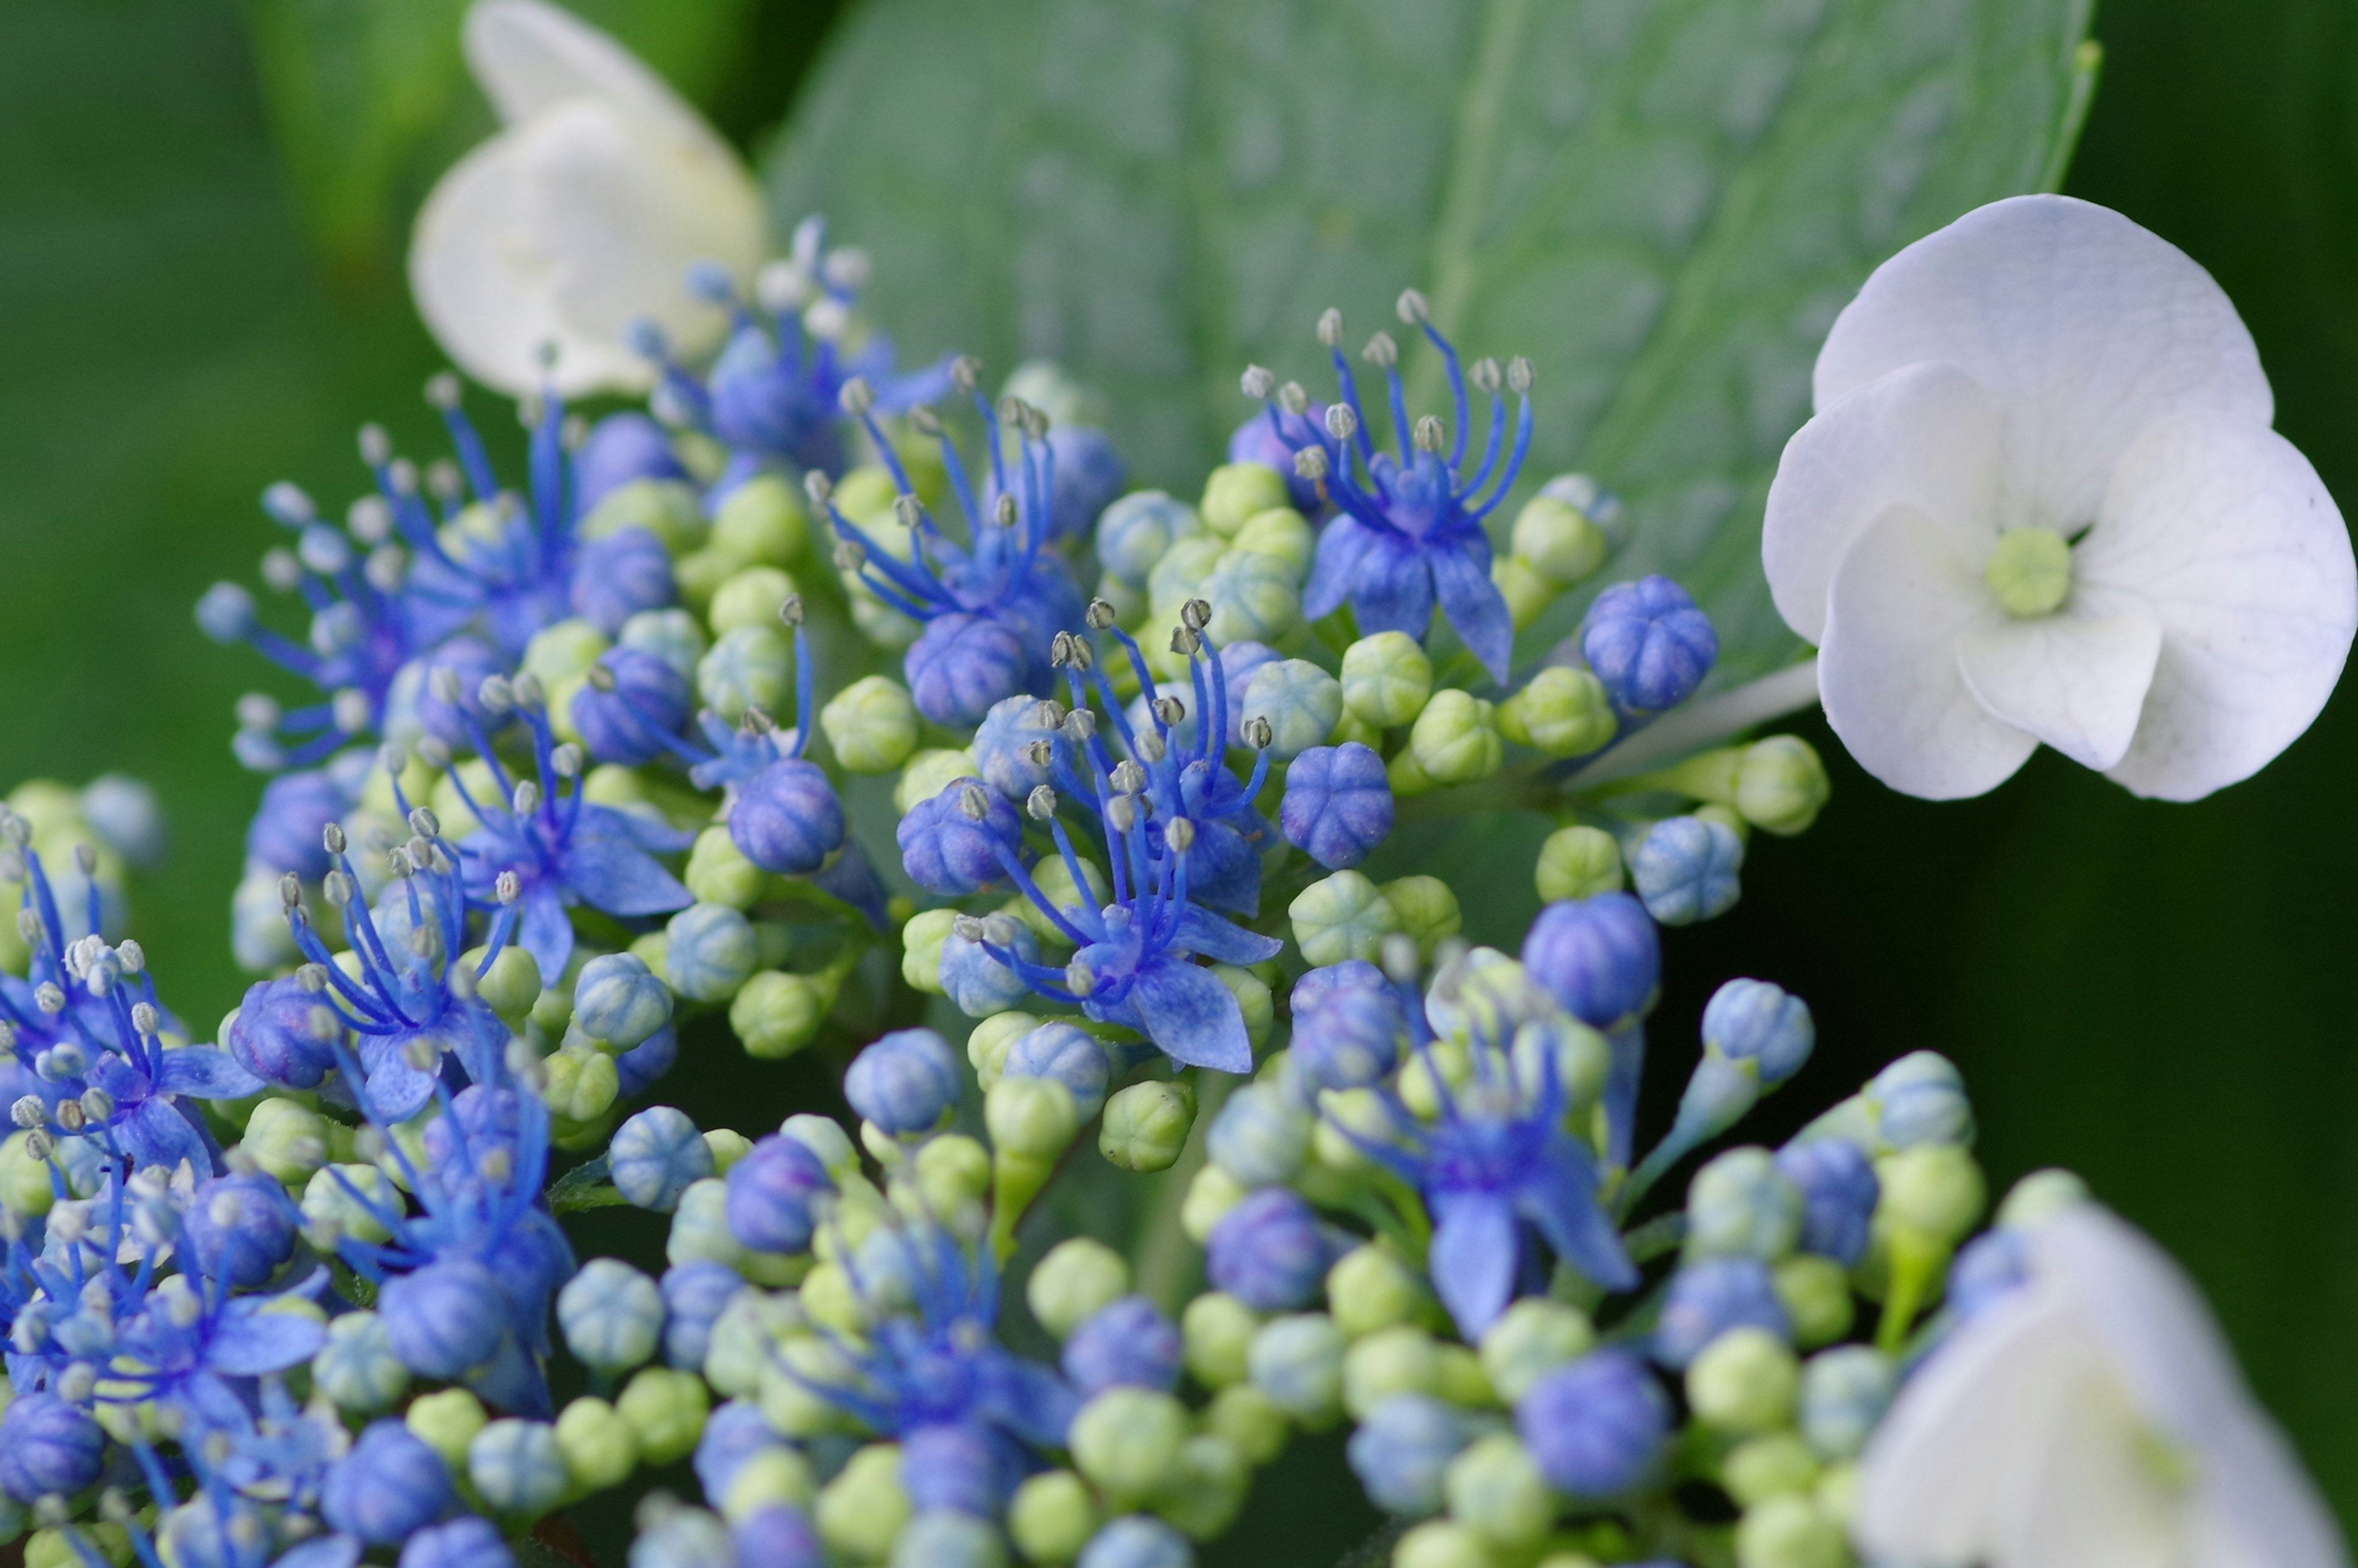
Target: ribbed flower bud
1455	738
1147	1124
1562	712
872	725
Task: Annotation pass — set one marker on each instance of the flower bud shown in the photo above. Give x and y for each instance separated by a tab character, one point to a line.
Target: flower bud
1237	491
872	725
1789	1531
1561	712
1064	1054
977	980
666	1409
1526	592
1781	784
711	951
1217	1333
1244	1415
1298	1362
1343	916
1135	533
1495	1489
1032	1118
1386	679
864	1508
1280	532
1300	701
2038	1197
1338	804
387	1487
952	1172
356	1368
787	819
1600	957
517	1467
1740	1205
581	1085
1210	1195
654	1157
288	1138
1075	1280
931	772
1372	1288
718	872
1839	1192
1270	1251
1920	1099
1934	1190
1531	1338
1126	1342
1146	1125
1648	644
46	1446
1455	738
611	1313
922	939
1136	1541
1745	1381
1427	911
1254	597
619	1002
1578	863
747	667
1395	1361
775	1013
763	520
947	1537
1558	541
694	1295
1844	1392
1687	869
1815	1292
1402	1449
1595	1427
1054	1513
1260	1136
1711	1297
750	598
1126	1441
1775	1465
328	1200
904	1083
772	1195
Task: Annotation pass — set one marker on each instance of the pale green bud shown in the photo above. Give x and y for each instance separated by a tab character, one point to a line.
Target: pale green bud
356	1368
1341	916
1073	1281
1395	1361
767	1478
865	495
1455	738
763	523
24	1181
666	1409
863	1510
1427	910
1744	1382
825	1137
749	598
777	1014
1789	1531
1385	679
1740	1205
1816	1294
1578	862
327	1203
1217	1332
112	1542
1210	1195
670	509
1129	600
739	1347
831	1300
1031	1116
699	1227
1934	1190
988	1044
1443	1543
288	1138
447	1422
1531	1338
1261	1136
871	724
581	1084
1055	391
1280	532
2040	1196
1179	577
1527	593
928	774
699	574
1253	999
1837	1493
1055	881
1126	1439
727	1146
1431	1077
1052	1517
1255	599
1563	713
718	872
1237	492
952	1171
786	1383
1495	1488
1297	1361
1557	540
1772	1466
563	651
1206	1486
598	1446
1373	1288
921	948
712	949
1146	1125
511	987
1407	776
1245	1416
749	667
1781	784
1342	1112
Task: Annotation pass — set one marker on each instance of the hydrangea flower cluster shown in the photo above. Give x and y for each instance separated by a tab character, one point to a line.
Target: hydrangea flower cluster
569	795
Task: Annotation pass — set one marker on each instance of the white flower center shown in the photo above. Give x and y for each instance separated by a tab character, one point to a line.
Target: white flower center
2031	571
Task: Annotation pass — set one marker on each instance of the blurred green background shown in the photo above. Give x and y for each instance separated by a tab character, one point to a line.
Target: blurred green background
200	292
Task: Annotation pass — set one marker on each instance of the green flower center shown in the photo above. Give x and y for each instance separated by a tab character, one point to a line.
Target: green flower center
2031	572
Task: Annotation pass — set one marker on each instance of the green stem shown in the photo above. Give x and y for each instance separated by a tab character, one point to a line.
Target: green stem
1702	724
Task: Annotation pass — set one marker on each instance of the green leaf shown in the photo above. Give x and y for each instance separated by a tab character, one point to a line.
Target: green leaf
1662	202
586	1186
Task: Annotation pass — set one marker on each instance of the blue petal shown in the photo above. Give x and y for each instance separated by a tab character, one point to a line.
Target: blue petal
248	1342
852	878
156	1134
1029	1401
1334	569
545	932
207	1073
644	829
1461	572
327	1551
1393	589
513	1380
1559	1195
607	871
1472	1258
1222	940
396	1089
1193	1017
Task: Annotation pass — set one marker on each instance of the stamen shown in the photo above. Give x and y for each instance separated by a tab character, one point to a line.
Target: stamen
1330	328
1257	382
1042	802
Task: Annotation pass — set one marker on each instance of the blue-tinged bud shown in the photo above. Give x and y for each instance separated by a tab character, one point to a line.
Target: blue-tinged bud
618	1002
675	636
1064	1052
978	983
654	1155
611	1313
46	1446
1001	744
954	1467
1741	1205
777	1537
295	811
905	1082
637	1069
621	447
1402	1449
1838	1189
356	1368
648	699
710	952
1318	984
225	613
389	1487
694	1295
517	1466
1088	476
1922	1099
449	696
961	664
239	1229
444	1319
1270	1251
1648	644
1137	1540
1350	1036
1300	702
1297	1361
749	667
1708	1298
1338	804
1262	1137
285	1034
1135	531
771	1192
1128	1341
950	844
1601	957
1687	869
732	1434
787	819
1844	1392
683	1538
1596	1426
618	575
466	1541
1762	1024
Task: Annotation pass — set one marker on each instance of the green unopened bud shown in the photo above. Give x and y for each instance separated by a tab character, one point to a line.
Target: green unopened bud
699	1227
1531	1340
510	986
1772	1466
776	1014
598	1446
1074	1280
1206	1486
1146	1125
1527	593
2040	1196
1407	778
864	1508
928	774
666	1409
1385	679
727	1146
1299	701
1297	1361
748	666
1341	916
718	872
1427	910
1789	1531
1210	1195
1559	540
1180	575
952	1171
1245	1417
831	1300
1280	532
763	523
1837	1494
1052	1517
1373	1288
1495	1488
669	509
447	1422
108	1542
788	1378
1455	738
1237	492
1254	598
1126	1441
1744	1382
24	1181
1781	784
1055	881
1563	713
288	1138
871	724
1395	1361
563	650
1253	999
581	1085
988	1046
1443	1543
1816	1294
1034	1117
327	1202
921	948
1217	1332
1578	862
749	598
771	1477
1933	1190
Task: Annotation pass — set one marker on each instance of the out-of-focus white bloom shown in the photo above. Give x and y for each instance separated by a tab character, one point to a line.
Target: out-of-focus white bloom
2092	1418
581	217
2040	502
